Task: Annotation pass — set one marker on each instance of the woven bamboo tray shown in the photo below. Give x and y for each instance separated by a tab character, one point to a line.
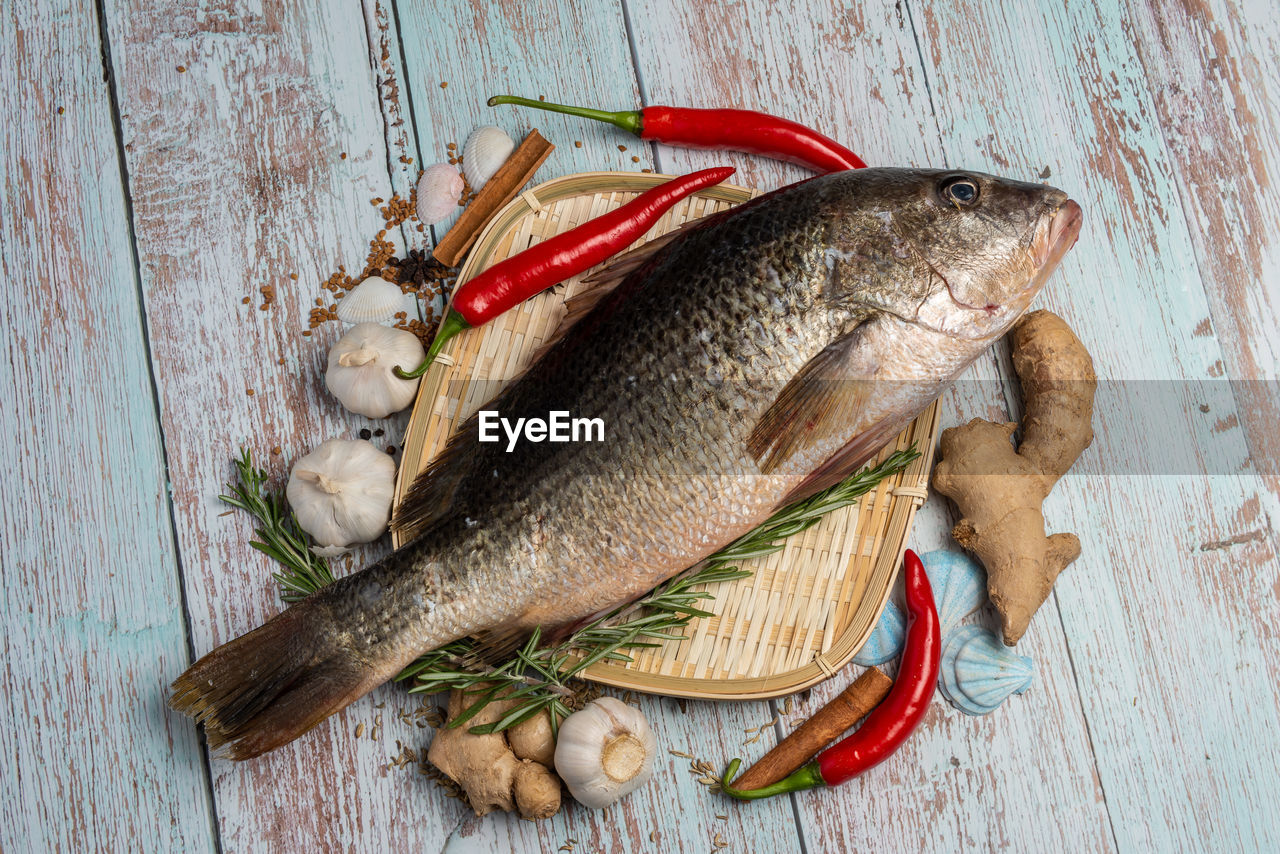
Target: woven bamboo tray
807	609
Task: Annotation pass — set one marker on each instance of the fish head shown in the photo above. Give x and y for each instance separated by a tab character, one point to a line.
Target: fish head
961	253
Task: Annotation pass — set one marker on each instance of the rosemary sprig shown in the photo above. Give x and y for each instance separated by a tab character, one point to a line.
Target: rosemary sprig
279	536
539	677
542	676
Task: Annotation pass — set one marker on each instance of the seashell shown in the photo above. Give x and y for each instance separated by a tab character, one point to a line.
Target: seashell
485	150
959	586
886	638
439	189
979	672
375	300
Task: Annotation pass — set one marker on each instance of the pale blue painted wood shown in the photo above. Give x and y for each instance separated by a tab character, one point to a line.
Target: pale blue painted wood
93	620
238	180
853	70
1173	644
1214	66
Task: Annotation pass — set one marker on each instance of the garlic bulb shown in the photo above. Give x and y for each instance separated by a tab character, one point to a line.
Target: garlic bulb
362	365
341	492
604	752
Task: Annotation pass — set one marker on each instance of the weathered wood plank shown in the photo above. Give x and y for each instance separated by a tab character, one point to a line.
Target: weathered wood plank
236	119
1174	642
854	72
92	611
1212	69
577	53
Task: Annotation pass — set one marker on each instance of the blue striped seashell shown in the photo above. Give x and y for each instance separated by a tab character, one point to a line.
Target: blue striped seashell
886	638
979	672
959	586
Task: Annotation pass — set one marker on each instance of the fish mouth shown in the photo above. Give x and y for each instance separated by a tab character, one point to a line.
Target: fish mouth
1054	241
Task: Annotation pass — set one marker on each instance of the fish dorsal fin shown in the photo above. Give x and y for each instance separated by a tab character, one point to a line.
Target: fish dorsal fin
604	282
822	396
430	496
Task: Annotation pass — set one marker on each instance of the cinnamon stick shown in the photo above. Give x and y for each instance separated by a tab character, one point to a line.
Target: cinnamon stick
495	193
849	706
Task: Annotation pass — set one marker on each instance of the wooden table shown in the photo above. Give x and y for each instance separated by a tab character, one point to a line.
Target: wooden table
162	163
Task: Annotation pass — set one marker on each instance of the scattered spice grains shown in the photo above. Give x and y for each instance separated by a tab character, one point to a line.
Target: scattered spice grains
622	148
379	432
444	84
182	69
249	392
342	156
365	434
417	272
635	159
577	143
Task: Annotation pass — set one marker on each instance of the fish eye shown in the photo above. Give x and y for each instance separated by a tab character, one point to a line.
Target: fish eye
959	190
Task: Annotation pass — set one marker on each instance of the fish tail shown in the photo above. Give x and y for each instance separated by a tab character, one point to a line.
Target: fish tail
268	687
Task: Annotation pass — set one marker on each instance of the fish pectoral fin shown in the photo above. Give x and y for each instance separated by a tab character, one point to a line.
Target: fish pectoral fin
826	394
844	462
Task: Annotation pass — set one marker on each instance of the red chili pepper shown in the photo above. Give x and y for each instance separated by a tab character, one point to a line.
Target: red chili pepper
734	130
891	722
508	283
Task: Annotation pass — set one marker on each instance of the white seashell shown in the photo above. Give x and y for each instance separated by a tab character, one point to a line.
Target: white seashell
485	150
439	189
886	638
375	300
979	672
959	586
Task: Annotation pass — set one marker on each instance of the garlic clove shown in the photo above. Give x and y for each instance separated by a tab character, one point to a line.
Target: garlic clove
361	372
605	751
341	492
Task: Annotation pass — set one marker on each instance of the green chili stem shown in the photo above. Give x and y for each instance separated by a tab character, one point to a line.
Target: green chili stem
805	777
628	120
452	324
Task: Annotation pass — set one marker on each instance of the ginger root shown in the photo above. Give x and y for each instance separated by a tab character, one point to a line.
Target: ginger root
999	491
493	772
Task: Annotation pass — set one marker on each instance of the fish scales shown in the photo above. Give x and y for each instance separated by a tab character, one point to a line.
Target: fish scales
776	345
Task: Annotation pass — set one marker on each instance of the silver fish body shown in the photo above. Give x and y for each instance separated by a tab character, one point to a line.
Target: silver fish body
752	358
